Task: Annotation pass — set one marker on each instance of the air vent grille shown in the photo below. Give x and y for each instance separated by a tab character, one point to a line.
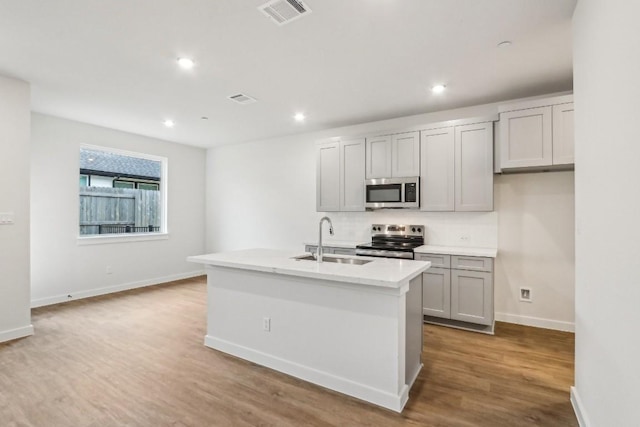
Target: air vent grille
284	11
243	99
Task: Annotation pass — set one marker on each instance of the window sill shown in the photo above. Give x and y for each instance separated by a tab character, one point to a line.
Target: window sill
118	238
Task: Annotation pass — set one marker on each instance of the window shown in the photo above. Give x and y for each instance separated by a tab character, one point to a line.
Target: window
123	184
114	193
147	186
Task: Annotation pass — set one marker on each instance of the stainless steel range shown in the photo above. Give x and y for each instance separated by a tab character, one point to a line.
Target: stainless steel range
393	241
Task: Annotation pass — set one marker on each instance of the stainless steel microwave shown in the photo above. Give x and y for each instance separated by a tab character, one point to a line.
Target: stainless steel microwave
392	193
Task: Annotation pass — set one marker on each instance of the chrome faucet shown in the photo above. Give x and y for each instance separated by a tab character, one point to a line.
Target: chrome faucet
320	251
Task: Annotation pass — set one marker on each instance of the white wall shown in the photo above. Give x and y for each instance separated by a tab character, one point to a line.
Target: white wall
15	315
536	249
60	266
607	103
262	194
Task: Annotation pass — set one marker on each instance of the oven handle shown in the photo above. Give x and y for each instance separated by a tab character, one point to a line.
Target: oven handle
385	254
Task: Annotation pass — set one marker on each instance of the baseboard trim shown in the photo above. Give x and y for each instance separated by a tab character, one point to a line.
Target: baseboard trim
324	379
536	322
578	408
13	334
41	302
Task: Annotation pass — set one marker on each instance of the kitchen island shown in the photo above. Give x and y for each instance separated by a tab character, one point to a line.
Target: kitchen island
356	329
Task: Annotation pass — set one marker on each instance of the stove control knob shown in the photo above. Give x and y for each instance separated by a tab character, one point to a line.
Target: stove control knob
413	229
419	230
374	229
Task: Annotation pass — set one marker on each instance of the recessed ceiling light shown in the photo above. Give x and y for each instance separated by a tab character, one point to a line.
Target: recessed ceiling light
169	123
186	63
299	117
438	88
505	43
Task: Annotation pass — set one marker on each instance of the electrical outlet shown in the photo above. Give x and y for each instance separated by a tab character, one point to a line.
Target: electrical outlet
7	218
525	295
108	270
266	324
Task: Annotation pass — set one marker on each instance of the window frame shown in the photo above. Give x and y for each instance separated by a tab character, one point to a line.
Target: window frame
162	234
138	184
133	184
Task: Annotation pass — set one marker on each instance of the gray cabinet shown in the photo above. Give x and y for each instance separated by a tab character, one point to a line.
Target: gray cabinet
458	291
328	176
526	138
405	154
472	296
343	251
378	161
437	169
436	292
537	134
352	174
396	155
340	172
457	168
563	137
474	167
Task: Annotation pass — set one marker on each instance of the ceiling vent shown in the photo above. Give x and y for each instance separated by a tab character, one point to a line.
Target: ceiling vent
243	99
284	11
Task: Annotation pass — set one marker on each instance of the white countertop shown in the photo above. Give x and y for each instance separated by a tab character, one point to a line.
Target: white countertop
336	243
382	272
457	250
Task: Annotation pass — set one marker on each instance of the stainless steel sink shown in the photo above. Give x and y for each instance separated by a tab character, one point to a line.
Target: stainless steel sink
327	258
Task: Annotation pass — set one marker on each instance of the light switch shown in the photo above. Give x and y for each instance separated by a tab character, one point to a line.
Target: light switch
7	218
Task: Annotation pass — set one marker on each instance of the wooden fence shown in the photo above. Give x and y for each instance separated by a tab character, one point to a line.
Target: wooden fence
114	210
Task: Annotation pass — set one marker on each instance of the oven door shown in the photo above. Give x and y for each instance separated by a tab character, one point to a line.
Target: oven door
383	253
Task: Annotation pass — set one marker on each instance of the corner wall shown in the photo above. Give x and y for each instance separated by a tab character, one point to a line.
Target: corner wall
15	313
60	266
607	102
536	249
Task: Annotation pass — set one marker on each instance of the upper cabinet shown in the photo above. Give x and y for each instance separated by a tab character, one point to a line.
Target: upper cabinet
437	163
456	168
405	154
453	159
393	155
474	167
537	134
563	140
340	174
378	157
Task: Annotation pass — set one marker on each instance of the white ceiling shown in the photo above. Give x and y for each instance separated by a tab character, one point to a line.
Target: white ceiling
113	63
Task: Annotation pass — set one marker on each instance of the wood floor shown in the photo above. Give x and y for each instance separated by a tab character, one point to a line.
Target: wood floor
137	359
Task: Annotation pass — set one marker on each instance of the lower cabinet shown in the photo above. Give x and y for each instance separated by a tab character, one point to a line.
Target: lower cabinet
458	291
330	250
436	292
472	296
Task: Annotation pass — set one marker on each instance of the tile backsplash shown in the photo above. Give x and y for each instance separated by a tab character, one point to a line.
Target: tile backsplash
469	229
